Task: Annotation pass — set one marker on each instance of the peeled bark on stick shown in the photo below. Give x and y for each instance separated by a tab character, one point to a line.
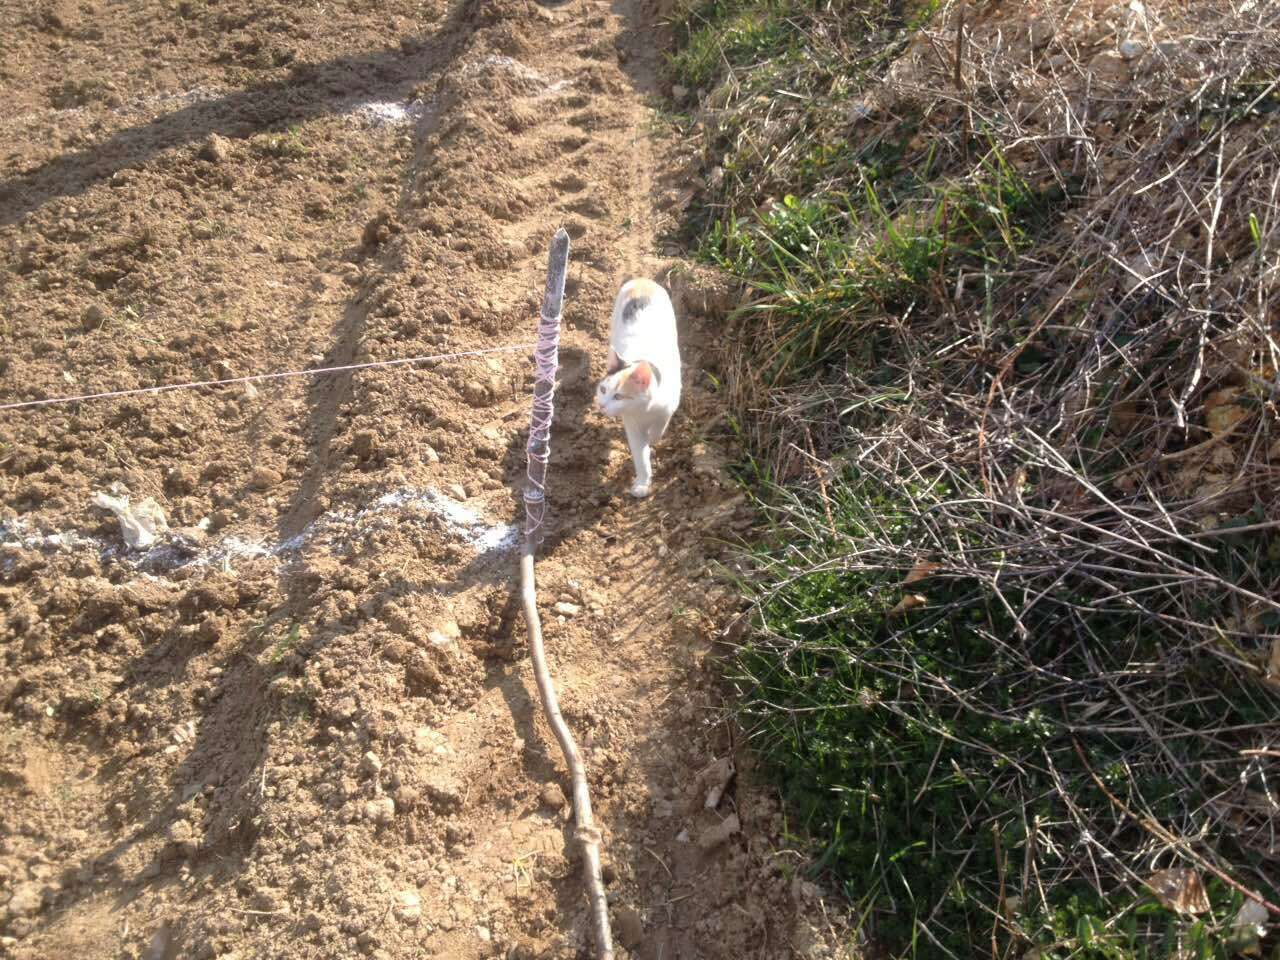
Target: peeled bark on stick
539	448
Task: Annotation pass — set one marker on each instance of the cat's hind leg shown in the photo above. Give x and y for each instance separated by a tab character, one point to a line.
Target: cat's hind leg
638	439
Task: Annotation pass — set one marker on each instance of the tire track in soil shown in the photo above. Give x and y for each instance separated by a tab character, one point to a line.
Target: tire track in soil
367	771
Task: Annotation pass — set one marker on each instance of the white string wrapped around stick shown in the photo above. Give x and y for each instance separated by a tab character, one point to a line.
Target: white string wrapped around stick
547	360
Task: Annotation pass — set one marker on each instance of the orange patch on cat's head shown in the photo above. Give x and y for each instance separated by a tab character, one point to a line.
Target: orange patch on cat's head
641	375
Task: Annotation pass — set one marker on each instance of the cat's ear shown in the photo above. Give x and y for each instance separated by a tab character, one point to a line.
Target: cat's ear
641	376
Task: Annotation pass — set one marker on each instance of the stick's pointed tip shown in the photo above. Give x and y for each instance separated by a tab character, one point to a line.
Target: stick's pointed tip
559	250
560	242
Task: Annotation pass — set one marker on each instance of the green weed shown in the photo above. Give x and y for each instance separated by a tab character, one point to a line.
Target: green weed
288	145
286	644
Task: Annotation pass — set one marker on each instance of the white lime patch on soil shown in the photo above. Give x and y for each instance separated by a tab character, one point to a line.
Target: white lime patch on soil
387	113
14	535
336	528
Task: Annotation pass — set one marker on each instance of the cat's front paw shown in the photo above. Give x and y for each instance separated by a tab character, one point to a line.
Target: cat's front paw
640	490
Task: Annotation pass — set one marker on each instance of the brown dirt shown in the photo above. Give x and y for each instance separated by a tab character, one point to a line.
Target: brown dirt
305	725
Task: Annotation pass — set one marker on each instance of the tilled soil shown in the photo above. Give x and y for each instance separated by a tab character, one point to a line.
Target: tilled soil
303	723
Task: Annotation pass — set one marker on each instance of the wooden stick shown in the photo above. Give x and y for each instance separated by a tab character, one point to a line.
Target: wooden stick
584	829
539	449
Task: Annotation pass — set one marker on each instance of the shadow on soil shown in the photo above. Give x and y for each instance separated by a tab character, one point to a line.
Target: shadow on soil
310	90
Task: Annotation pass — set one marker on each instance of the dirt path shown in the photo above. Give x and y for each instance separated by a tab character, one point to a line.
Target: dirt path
305	726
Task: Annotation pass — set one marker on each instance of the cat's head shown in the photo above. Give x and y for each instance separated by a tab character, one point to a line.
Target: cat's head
628	388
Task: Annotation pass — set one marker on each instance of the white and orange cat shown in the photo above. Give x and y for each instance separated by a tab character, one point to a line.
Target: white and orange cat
643	383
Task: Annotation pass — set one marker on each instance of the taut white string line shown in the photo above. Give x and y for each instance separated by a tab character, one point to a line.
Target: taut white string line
257	377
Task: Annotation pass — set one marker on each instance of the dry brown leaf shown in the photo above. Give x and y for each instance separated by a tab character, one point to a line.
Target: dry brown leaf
910	602
1180	889
1124	416
1220	398
921	571
1186	480
1223	457
1220	413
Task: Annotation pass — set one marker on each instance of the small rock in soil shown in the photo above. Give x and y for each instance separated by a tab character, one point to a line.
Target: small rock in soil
429	454
568	609
215	149
382	810
371	764
92	317
714	836
457	491
264	478
553	796
407	906
27	900
630	927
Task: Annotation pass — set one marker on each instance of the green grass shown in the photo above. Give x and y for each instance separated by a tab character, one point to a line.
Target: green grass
827	271
733	33
285	644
